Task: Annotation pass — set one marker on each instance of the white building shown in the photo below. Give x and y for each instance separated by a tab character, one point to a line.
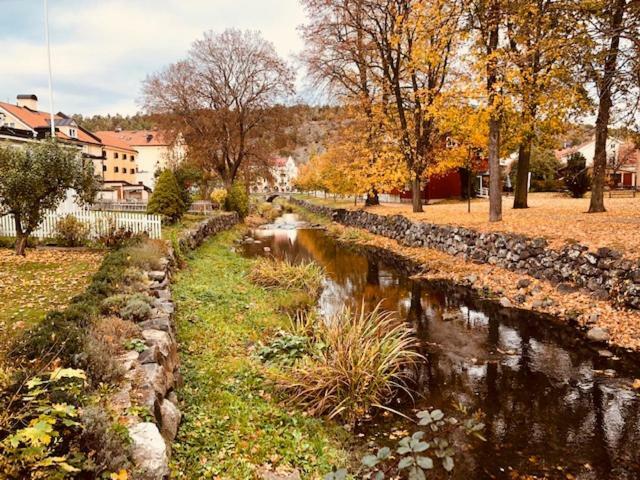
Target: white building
284	171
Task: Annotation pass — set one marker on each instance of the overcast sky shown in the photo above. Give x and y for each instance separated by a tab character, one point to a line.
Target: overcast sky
103	49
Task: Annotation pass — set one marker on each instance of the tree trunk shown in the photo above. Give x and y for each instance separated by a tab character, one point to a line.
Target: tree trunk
604	111
495	180
416	198
21	236
522	178
21	244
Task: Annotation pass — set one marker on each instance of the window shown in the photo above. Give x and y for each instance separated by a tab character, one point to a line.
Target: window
72	132
132	158
104	168
115	154
115	169
124	156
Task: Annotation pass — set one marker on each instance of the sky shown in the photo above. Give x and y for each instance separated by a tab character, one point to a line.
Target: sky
102	50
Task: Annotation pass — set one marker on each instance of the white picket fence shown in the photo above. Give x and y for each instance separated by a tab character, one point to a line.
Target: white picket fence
99	223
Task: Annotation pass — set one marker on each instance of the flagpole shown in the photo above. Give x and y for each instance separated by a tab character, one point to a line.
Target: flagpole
46	34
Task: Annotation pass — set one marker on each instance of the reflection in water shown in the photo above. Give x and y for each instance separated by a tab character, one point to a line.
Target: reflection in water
549	409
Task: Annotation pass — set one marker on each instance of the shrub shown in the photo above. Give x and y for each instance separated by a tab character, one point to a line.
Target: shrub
114	332
363	359
146	255
237	200
267	211
129	307
106	441
55	335
110	235
272	273
576	175
136	310
166	199
71	232
99	361
218	196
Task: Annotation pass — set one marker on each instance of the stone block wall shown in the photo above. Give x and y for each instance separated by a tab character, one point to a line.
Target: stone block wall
604	273
153	374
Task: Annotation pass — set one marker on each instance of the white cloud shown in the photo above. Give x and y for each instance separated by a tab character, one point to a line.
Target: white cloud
102	50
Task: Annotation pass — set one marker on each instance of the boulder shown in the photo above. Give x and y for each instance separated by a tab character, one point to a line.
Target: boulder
598	334
505	302
149	451
523	283
170	418
157	275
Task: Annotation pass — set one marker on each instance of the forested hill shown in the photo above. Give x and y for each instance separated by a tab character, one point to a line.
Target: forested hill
95	123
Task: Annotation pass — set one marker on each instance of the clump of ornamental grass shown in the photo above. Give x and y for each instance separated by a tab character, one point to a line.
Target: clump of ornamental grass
361	360
284	274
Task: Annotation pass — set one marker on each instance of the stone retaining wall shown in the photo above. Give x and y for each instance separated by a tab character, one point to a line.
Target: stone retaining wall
604	273
153	374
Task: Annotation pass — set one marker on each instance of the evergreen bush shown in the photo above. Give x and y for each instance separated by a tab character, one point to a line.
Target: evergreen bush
577	178
166	199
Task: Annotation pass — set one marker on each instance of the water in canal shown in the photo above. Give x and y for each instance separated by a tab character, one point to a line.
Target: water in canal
553	408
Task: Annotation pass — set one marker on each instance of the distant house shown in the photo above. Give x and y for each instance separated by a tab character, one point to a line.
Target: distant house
156	151
623	160
283	171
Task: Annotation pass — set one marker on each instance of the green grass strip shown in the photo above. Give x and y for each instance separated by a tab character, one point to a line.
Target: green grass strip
234	424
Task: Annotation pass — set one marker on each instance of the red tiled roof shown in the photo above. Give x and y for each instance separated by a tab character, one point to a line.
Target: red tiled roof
36	119
112	139
143	138
279	161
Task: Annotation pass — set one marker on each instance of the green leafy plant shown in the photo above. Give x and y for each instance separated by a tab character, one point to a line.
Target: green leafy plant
422	452
40	421
135	344
286	348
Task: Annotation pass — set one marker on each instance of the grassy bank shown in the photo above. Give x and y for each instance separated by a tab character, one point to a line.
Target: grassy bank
234	426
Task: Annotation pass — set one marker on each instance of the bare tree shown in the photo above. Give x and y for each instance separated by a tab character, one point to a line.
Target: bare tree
219	99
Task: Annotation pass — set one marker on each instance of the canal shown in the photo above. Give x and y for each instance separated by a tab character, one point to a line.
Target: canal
553	407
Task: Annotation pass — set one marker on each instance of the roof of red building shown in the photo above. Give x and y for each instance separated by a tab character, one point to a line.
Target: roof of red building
279	161
113	139
140	138
37	119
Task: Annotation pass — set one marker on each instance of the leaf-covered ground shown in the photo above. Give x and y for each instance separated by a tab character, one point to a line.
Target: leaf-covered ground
554	216
44	280
234	427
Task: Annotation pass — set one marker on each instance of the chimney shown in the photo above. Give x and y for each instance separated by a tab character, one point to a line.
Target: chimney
29	101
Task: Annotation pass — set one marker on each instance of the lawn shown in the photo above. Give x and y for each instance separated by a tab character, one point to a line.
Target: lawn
234	426
187	221
44	280
556	217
